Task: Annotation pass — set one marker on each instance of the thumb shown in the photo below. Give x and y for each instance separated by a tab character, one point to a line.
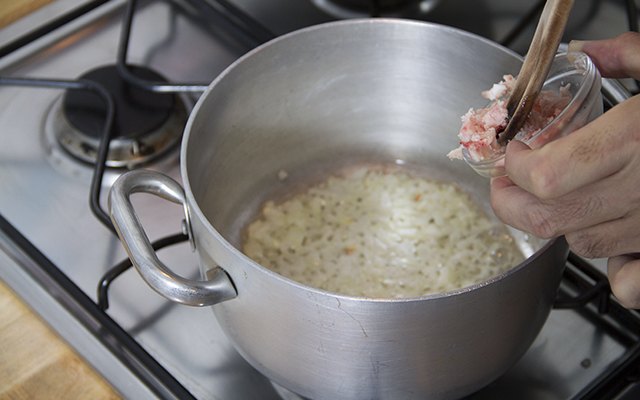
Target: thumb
618	57
624	276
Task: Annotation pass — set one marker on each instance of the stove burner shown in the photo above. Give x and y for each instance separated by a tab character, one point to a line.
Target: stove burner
374	8
146	124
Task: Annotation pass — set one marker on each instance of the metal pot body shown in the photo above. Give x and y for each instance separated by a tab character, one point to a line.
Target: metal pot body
339	94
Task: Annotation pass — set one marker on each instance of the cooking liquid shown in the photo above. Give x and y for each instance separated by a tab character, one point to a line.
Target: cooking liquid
380	232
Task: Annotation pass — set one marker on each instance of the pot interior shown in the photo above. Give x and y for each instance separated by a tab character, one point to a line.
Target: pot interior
336	95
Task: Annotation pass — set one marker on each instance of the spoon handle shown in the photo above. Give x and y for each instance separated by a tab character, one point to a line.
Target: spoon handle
536	65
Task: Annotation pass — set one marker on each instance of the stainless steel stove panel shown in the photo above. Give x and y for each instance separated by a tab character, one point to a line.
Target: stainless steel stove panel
568	354
46	198
56	218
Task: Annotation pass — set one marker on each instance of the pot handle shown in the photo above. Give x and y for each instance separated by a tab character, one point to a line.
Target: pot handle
215	289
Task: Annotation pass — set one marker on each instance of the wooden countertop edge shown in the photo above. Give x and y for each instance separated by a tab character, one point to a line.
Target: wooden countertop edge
35	363
12	10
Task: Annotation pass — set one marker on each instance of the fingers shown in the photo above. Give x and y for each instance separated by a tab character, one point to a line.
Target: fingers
624	276
519	208
585	185
584	179
559	168
589	154
578	212
611	238
618	57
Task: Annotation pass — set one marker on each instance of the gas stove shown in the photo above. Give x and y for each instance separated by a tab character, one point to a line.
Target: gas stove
58	250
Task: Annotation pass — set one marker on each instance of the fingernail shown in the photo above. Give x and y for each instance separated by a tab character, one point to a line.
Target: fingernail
575	45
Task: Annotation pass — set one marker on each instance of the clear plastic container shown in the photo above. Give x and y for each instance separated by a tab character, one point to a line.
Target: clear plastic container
577	70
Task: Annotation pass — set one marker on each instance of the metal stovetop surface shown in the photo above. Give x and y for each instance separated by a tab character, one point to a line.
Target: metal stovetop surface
45	197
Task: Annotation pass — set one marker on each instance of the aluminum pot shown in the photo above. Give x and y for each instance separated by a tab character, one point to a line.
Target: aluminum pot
334	94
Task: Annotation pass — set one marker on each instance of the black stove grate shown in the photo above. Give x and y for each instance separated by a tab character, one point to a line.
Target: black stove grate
586	290
95	320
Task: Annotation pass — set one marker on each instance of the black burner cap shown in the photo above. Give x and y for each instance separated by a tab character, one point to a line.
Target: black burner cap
138	111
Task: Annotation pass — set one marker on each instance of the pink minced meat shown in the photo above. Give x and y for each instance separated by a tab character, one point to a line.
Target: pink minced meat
478	133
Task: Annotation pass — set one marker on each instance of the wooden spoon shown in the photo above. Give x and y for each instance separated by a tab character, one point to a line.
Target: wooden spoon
537	63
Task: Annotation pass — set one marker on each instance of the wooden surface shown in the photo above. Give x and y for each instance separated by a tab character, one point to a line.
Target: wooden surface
12	10
36	364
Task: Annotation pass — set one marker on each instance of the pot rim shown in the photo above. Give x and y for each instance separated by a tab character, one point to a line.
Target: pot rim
193	206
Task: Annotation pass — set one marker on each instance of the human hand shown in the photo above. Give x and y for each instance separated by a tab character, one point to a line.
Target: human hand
586	186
